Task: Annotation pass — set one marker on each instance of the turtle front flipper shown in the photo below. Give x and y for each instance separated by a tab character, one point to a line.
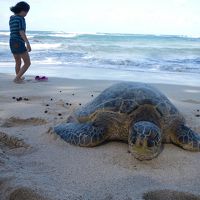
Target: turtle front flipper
81	134
186	138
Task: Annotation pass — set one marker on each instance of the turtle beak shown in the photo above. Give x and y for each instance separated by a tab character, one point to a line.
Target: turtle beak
141	151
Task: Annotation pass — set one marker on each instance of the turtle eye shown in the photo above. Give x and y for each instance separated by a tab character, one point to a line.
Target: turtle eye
150	143
159	111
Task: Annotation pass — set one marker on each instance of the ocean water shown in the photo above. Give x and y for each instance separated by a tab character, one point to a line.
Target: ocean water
58	52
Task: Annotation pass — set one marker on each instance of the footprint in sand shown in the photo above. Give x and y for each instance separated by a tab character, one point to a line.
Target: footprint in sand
9	145
13	122
169	195
11	142
25	193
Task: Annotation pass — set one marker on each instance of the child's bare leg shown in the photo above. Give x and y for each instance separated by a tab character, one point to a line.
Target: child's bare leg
25	57
18	63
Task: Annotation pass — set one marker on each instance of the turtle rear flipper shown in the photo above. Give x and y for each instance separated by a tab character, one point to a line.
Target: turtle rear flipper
186	138
81	134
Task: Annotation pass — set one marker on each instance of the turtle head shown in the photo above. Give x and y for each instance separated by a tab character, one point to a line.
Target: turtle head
144	140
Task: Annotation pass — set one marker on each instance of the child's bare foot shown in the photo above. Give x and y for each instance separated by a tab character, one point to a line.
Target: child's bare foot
22	78
18	81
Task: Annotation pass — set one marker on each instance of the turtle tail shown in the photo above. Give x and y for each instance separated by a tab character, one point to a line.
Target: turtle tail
187	138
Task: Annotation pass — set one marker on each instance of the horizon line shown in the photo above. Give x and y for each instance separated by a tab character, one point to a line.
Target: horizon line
114	33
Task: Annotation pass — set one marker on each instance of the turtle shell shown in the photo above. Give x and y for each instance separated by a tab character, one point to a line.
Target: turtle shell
126	97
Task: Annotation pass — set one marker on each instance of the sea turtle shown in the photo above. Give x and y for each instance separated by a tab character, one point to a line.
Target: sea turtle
133	112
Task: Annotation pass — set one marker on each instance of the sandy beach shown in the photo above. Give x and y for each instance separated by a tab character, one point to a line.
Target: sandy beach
38	166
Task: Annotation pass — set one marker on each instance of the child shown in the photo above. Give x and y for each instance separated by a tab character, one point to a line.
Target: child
18	39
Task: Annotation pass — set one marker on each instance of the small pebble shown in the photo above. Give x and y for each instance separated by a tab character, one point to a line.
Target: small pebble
13	97
26	99
70	104
73	94
45	111
60	91
79	104
197	115
51	99
47	104
59	114
92	95
198	110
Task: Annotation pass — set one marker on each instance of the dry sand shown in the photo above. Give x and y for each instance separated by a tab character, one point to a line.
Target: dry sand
35	165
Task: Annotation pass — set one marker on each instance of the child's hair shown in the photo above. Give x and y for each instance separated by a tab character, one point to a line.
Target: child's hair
21	6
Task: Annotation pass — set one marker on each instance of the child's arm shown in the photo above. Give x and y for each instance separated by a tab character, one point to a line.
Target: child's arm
23	35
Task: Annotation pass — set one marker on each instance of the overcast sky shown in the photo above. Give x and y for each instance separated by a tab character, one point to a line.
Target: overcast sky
176	17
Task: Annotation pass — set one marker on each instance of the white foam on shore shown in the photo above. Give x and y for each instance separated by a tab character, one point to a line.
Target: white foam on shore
4	43
76	72
65	35
45	46
5	33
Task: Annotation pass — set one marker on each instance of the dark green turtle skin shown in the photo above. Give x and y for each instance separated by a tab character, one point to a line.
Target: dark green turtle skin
133	112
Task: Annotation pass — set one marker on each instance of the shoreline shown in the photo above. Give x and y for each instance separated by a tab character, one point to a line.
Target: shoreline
55	170
77	72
